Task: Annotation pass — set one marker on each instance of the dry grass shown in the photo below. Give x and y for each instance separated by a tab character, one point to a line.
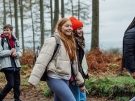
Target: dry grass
103	63
28	58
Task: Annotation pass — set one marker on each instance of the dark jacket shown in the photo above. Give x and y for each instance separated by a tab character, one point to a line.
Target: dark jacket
129	48
82	64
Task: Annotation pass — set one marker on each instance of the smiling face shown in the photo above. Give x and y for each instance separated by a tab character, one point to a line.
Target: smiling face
80	32
67	28
7	32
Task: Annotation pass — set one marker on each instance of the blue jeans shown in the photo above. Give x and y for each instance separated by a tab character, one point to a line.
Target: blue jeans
133	99
79	96
61	89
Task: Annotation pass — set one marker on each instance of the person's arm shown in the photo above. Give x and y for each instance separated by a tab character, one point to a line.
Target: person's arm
85	67
5	52
79	79
42	61
80	82
18	52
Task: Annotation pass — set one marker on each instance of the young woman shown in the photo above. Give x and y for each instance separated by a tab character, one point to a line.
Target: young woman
9	60
62	67
82	64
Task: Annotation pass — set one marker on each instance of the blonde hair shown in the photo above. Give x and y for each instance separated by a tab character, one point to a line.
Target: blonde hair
68	41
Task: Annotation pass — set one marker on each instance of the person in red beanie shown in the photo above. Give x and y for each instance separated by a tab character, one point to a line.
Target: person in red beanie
77	26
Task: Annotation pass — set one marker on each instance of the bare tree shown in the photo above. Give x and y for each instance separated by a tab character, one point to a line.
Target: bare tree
33	30
10	8
42	21
21	15
72	7
62	9
95	24
79	9
51	9
56	13
16	18
4	18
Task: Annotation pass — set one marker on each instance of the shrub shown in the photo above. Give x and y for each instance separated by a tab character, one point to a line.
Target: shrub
111	87
28	58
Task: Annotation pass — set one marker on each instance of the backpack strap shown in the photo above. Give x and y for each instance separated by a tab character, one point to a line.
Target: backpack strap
2	43
57	45
56	50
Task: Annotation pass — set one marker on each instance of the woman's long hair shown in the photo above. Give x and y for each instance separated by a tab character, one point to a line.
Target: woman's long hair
79	40
68	40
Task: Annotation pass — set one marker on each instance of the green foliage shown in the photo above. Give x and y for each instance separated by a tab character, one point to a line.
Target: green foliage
113	66
48	92
122	99
118	88
111	87
24	67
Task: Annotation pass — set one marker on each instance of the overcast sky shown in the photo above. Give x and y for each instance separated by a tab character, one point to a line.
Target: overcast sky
115	16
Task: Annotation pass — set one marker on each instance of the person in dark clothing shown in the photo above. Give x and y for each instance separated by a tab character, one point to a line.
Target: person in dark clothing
129	48
10	64
82	64
128	60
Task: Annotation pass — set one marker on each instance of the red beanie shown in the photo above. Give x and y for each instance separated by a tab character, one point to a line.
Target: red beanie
75	23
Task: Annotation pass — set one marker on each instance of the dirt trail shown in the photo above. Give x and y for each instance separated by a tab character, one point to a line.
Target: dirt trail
28	94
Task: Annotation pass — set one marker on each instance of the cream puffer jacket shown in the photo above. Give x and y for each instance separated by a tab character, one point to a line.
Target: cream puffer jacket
60	65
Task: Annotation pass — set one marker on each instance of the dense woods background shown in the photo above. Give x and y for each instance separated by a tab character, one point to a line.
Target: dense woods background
35	20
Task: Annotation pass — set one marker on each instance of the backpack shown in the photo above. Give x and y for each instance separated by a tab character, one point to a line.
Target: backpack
56	50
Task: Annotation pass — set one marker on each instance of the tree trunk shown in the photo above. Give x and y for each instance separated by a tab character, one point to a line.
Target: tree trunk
51	8
21	15
56	14
95	24
72	7
32	27
4	18
42	21
16	19
78	9
62	9
10	8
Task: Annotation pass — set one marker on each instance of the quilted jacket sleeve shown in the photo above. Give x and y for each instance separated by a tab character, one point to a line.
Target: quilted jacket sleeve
42	61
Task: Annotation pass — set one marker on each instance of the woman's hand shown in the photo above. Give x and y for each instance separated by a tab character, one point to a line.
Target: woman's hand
32	86
13	52
83	89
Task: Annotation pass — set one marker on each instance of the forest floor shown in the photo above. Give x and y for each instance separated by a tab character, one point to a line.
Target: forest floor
29	94
98	63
